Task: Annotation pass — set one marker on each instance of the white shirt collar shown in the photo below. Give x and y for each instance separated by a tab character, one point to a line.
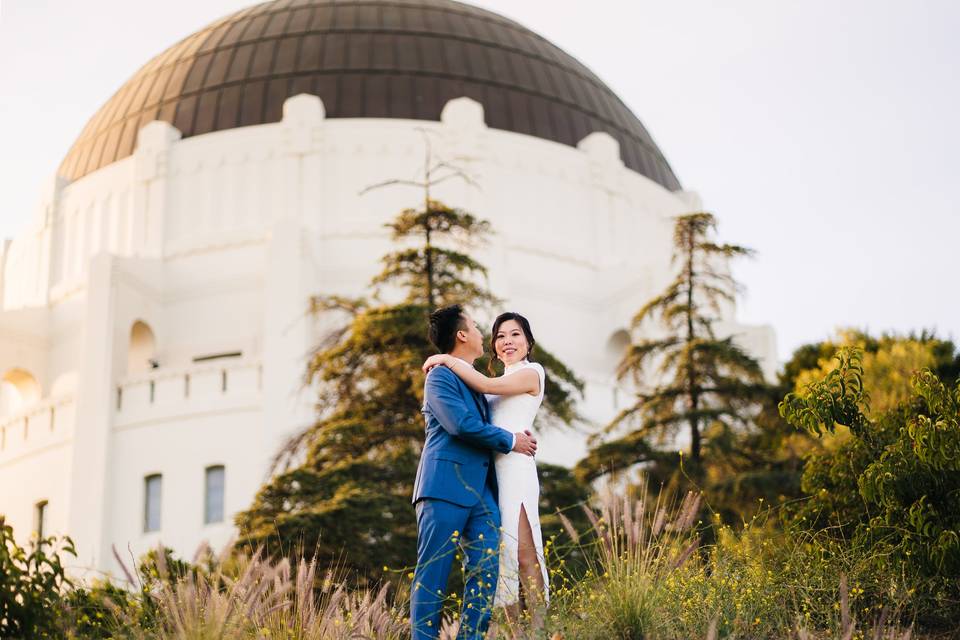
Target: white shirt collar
510	368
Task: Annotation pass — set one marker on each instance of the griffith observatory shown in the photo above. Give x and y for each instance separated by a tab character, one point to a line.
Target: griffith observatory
153	307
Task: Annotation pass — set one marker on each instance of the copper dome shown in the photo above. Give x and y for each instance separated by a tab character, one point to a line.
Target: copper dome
365	58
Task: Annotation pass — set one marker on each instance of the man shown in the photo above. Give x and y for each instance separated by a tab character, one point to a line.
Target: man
455	491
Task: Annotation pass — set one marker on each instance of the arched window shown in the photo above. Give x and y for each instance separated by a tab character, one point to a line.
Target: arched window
142	349
151	502
214	484
616	348
20	390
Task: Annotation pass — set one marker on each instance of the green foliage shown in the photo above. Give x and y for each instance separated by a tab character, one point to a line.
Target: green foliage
650	575
701	381
887	361
892	485
344	495
837	399
433	275
104	608
644	573
32	584
766	461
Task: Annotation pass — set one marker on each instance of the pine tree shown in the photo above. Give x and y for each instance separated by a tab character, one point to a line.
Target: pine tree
704	384
348	497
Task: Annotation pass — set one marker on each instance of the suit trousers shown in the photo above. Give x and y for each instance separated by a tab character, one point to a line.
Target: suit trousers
443	529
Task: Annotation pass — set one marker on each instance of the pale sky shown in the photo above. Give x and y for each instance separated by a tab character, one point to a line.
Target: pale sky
824	134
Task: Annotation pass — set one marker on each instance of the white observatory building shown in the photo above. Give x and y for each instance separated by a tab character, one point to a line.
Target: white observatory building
153	327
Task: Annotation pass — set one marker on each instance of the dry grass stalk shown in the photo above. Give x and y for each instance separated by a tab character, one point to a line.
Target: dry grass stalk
848	624
569	528
261	598
632	541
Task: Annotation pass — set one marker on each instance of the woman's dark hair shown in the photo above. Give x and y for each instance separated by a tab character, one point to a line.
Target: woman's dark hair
524	326
444	324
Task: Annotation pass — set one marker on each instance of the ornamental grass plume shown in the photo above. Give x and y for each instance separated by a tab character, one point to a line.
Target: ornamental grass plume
632	547
252	596
644	536
649	575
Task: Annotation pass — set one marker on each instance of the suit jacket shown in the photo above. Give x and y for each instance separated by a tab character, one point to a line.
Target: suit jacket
457	456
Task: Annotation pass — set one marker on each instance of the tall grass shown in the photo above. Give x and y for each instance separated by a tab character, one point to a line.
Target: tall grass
650	575
653	570
247	597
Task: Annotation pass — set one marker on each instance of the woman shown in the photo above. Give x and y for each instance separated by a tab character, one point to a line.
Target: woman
514	400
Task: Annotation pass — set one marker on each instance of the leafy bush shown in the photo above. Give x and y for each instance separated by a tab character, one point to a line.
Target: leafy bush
893	484
652	577
31	585
103	609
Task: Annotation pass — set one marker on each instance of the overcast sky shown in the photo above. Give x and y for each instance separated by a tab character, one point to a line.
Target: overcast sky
823	133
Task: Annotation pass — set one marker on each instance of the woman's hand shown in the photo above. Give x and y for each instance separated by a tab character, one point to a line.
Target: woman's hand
440	359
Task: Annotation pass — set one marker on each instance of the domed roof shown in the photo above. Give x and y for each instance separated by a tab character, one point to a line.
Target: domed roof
365	58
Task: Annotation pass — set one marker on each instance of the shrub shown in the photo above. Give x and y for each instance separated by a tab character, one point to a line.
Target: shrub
893	485
31	585
651	577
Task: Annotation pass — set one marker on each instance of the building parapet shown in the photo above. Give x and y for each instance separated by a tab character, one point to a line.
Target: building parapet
39	426
170	393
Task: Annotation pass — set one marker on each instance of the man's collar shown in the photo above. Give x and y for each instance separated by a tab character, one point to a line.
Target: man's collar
469	364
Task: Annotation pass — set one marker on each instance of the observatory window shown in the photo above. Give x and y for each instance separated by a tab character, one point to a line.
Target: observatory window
151	502
213	494
18	391
40	519
142	348
616	348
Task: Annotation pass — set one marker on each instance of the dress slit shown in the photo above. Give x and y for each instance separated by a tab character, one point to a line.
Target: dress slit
537	552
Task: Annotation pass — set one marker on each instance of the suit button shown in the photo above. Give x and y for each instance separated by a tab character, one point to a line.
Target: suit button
486	464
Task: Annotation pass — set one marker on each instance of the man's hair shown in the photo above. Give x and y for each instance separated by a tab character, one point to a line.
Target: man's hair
444	324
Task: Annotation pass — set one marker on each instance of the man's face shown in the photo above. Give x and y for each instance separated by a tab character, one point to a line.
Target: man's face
471	336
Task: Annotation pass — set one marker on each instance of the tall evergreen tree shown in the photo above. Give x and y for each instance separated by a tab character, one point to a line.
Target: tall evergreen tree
347	498
703	384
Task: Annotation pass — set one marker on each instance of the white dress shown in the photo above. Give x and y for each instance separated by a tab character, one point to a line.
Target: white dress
518	485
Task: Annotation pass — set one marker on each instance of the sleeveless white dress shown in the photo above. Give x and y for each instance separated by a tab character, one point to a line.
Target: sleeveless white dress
518	485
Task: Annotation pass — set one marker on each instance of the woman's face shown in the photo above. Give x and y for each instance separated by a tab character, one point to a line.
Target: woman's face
510	343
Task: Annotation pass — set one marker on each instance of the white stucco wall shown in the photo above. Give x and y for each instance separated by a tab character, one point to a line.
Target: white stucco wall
217	242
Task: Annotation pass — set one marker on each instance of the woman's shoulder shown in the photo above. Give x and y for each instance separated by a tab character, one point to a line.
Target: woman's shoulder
536	366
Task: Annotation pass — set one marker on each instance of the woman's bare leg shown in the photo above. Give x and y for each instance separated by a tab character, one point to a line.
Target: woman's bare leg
512	619
531	576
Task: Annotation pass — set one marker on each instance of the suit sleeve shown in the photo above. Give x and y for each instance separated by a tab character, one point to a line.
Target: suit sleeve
447	403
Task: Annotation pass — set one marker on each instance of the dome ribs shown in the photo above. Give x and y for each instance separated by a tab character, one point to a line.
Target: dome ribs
365	58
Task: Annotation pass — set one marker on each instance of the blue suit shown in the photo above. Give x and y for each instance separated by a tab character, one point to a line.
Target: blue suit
455	494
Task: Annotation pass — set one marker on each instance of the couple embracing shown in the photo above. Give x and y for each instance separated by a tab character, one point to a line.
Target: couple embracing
476	492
